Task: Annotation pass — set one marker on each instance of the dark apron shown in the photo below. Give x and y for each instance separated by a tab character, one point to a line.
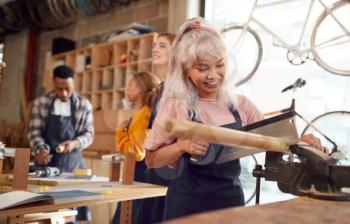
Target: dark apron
202	188
60	129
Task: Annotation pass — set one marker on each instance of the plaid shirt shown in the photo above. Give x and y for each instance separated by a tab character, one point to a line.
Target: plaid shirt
84	121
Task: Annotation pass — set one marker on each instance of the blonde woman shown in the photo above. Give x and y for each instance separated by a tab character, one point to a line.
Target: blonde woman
152	209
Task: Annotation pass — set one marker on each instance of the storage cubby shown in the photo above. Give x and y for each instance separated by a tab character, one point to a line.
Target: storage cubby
102	56
78	81
87	82
70	59
96	101
133	50
146	43
121	78
120	52
107	78
97	80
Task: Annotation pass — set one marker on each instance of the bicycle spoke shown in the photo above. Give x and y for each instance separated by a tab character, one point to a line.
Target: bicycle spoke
335	125
346	31
320	45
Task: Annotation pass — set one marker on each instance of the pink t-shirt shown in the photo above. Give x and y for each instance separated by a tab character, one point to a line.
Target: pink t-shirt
211	112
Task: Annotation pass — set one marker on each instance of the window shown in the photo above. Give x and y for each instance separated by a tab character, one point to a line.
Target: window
1	52
323	92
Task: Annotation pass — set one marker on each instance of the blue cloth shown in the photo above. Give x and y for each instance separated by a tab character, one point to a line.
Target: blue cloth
60	129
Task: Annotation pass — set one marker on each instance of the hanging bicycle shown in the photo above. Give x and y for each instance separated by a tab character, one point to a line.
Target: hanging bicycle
329	43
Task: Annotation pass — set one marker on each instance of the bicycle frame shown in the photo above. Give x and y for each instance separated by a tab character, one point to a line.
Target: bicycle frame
281	42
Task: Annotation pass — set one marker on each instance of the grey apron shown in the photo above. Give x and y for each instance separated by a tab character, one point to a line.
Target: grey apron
202	188
60	129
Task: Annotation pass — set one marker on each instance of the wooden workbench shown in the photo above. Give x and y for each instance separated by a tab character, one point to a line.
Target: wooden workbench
112	192
299	210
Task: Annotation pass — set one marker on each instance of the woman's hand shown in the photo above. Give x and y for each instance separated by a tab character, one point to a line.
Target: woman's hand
192	147
312	141
125	124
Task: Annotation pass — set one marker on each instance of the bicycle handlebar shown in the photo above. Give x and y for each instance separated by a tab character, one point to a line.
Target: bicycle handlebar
299	83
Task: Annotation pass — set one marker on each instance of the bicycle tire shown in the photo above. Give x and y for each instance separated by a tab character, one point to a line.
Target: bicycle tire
335	135
256	37
316	55
250	197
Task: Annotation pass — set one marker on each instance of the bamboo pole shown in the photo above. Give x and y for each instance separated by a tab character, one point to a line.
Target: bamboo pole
224	136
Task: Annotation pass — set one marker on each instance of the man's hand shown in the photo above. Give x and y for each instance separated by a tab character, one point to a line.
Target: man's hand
42	158
70	145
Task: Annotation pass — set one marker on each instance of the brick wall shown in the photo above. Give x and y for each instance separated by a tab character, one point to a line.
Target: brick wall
152	12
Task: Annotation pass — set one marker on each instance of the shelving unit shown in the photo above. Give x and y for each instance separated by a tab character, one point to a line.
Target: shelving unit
102	71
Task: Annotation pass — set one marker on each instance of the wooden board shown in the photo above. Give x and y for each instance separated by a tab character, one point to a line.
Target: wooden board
299	210
111	195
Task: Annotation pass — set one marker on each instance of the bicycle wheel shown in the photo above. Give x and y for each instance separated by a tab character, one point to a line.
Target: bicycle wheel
247	179
336	126
330	39
244	54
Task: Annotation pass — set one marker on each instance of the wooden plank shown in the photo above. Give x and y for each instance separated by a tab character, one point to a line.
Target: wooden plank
115	194
299	210
115	172
127	179
43	216
126	212
18	219
101	213
21	169
1	165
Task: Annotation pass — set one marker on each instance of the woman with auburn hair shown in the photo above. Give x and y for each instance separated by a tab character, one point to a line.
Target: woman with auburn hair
131	133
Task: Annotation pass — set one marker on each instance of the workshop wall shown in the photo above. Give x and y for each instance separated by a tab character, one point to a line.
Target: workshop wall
152	12
15	55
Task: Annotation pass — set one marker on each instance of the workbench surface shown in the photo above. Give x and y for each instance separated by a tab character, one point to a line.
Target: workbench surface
298	210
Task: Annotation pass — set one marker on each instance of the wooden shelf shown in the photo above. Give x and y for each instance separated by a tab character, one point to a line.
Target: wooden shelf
102	71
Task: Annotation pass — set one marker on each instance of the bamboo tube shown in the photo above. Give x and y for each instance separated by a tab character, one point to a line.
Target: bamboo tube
218	135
